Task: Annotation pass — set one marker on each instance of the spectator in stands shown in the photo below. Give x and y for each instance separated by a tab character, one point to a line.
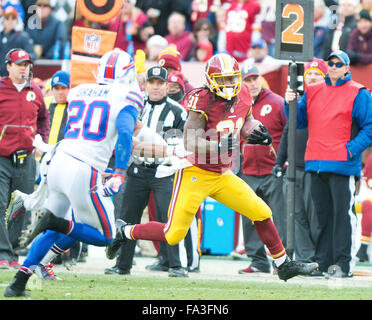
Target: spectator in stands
338	113
259	56
203	51
26	4
239	20
179	36
159	12
18	6
257	164
170	59
359	48
338	36
220	37
204	29
176	86
154	46
322	21
306	225
133	28
265	20
10	38
52	33
202	10
366	4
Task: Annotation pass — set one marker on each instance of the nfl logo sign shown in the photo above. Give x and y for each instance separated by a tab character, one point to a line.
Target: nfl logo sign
92	43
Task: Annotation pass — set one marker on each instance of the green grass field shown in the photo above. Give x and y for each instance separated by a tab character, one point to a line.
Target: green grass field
76	286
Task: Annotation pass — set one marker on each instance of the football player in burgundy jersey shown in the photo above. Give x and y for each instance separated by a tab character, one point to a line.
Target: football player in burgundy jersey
217	113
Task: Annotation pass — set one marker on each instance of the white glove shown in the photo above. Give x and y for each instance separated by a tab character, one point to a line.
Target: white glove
40	144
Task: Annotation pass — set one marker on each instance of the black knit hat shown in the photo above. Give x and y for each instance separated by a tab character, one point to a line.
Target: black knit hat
364	14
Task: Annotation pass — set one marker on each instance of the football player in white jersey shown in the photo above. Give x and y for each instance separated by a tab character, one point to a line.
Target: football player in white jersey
101	119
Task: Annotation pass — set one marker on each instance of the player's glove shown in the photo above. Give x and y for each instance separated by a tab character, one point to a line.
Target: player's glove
278	170
262	136
227	144
113	184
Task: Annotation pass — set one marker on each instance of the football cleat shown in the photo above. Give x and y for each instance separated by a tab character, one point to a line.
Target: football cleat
46	272
112	249
15	208
291	268
17	287
39	224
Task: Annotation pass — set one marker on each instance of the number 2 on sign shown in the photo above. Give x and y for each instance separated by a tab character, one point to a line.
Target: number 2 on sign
291	34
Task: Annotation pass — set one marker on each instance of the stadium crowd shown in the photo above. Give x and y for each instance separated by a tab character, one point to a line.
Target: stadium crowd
171	32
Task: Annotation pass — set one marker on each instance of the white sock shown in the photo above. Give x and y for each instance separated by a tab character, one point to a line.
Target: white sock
51	254
48	258
127	232
279	261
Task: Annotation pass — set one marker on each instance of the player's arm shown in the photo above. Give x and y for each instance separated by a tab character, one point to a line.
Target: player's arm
194	137
148	143
125	123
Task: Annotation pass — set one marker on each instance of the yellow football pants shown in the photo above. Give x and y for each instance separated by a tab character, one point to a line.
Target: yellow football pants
192	185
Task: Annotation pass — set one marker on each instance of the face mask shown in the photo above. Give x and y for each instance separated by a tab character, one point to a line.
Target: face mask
176	96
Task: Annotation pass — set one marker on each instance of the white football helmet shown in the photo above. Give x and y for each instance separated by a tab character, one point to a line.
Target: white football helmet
116	66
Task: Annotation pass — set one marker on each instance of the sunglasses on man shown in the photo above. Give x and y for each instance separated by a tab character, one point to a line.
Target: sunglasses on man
337	64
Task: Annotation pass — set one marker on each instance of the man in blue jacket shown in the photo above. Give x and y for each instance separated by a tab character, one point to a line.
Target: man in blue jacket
338	114
51	35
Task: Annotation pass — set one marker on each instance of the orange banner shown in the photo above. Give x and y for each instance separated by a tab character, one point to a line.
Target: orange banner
88	45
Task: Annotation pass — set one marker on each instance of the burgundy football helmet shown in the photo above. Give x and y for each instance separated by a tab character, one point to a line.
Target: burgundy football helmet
223	75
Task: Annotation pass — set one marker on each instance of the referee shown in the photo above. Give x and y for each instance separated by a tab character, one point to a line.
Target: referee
167	118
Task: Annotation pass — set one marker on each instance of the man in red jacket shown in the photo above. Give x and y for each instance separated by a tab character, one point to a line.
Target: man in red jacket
22	115
257	164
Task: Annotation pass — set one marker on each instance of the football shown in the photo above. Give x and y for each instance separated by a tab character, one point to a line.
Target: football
248	128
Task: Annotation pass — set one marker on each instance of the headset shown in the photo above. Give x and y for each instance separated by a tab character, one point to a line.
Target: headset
7	56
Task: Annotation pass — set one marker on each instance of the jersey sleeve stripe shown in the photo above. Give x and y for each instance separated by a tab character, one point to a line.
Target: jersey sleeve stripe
136	95
202	112
136	102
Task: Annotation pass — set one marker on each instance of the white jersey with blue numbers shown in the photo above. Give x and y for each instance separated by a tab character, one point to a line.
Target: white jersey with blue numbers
91	132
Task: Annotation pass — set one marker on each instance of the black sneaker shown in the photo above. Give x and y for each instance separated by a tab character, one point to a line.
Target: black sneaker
362	254
17	287
178	272
112	249
157	266
11	292
116	270
316	274
291	268
336	272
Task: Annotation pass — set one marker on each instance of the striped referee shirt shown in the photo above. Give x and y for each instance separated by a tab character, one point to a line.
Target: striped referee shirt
167	117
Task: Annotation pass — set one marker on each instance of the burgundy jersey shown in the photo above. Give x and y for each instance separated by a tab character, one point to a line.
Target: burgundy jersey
239	20
221	120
